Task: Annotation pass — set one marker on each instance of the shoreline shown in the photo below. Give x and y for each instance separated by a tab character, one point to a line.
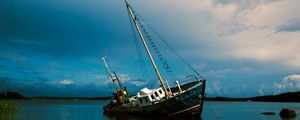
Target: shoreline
284	97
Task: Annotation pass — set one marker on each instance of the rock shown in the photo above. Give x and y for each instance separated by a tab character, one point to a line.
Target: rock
268	113
287	113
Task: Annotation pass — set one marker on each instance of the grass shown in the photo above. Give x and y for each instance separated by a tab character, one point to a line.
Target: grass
8	110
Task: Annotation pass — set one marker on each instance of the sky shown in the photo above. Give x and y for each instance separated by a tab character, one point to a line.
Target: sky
242	48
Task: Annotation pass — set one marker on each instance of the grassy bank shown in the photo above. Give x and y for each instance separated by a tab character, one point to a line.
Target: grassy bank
8	110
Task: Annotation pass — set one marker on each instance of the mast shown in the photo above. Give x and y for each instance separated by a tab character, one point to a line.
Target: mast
146	47
113	77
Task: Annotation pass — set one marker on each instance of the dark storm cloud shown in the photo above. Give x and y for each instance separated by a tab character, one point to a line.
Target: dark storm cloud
291	26
41	86
5	68
20	68
60	28
3	84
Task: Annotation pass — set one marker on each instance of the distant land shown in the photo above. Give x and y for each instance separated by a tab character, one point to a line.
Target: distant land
18	96
284	97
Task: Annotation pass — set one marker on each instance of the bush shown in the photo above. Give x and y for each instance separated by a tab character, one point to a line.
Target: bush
8	110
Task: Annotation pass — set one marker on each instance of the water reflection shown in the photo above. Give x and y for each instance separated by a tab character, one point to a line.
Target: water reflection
288	118
147	117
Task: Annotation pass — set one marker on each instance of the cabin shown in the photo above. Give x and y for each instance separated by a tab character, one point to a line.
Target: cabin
148	97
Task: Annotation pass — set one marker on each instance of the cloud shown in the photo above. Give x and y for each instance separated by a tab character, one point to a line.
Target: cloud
129	80
215	88
290	26
219	88
68	75
48	27
222	73
12	56
47	87
138	82
66	82
199	66
4	86
249	33
267	89
289	83
26	42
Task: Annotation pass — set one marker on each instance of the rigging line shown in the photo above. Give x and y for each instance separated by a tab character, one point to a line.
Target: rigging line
163	61
138	49
141	60
212	110
154	46
165	42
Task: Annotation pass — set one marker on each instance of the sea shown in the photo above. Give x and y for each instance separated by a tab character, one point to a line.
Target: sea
92	110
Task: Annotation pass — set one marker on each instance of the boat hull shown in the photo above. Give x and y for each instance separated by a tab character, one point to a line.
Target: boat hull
188	103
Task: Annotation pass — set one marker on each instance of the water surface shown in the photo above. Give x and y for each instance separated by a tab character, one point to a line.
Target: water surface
92	110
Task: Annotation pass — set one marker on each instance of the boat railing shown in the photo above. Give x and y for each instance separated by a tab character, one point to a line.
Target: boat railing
186	83
189	79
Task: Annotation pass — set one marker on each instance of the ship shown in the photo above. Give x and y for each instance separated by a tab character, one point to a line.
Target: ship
180	100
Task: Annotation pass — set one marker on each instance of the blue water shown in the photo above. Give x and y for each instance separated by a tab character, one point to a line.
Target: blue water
246	110
92	110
